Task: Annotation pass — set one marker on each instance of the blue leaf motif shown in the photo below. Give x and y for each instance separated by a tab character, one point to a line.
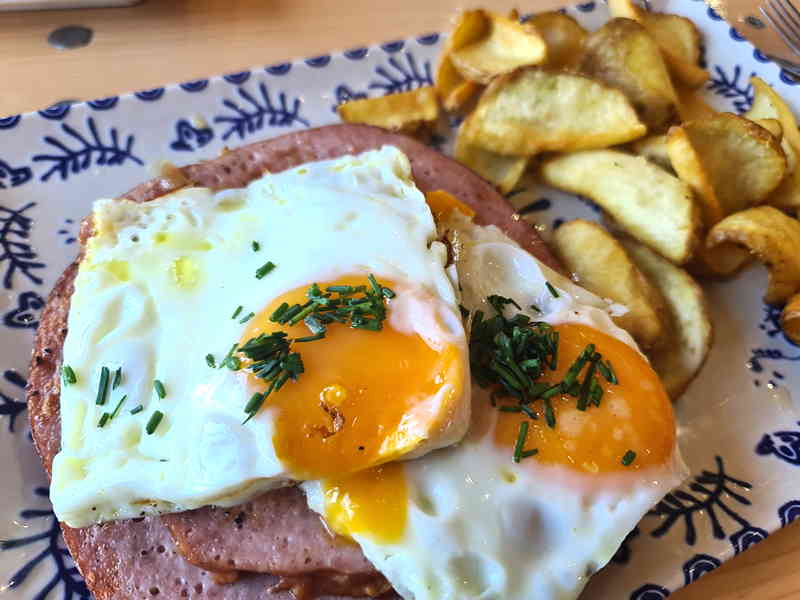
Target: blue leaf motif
783	444
732	87
65	574
25	315
402	75
91	150
710	494
699	565
789	512
650	591
256	113
189	137
16	254
747	537
12	177
10	408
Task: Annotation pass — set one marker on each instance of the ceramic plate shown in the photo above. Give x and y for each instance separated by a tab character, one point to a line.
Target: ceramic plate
739	427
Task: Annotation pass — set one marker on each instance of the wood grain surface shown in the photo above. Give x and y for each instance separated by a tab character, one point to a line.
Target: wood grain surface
163	41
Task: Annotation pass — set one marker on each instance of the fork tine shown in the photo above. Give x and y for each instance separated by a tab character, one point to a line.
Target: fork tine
776	20
780	7
794	15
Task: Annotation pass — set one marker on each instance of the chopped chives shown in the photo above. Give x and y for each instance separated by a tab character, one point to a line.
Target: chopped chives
228	357
551	289
608	371
628	458
511	409
595	393
387	293
119	405
529	453
536	308
265	269
549	414
68	375
551	391
210	361
159	388
523	433
103	419
237	312
254	404
102	388
137	409
276	316
528	411
246	318
256	246
583	397
117	378
154	421
311	338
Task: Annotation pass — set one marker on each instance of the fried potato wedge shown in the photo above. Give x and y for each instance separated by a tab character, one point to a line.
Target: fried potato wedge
692	106
624	55
533	110
689	167
503	171
773	238
563	37
719	262
654	149
651	205
767	104
773	126
601	265
486	45
405	112
790	319
689	332
743	162
453	90
677	37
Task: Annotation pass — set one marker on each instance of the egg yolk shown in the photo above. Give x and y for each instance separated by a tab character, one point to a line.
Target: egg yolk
373	503
634	415
365	397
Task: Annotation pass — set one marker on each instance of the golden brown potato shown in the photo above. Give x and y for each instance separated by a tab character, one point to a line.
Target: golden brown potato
654	149
767	104
405	111
486	45
790	319
651	205
453	90
624	55
533	110
688	333
563	36
773	238
740	161
601	265
502	170
677	37
692	106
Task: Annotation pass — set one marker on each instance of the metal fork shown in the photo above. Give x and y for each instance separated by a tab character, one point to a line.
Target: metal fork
785	19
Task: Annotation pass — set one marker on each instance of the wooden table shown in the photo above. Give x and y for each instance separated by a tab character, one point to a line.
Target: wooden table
162	41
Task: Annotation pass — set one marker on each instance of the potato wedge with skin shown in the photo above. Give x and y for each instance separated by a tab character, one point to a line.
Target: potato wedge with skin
790	319
624	55
689	167
534	110
563	37
602	266
767	104
689	332
743	162
453	90
504	45
503	171
651	205
405	111
692	106
654	149
773	238
719	262
677	37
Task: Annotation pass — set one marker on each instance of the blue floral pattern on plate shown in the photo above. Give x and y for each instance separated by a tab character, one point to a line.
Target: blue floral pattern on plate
740	433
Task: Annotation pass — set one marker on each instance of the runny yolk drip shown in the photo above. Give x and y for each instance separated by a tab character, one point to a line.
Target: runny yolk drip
365	398
373	503
634	414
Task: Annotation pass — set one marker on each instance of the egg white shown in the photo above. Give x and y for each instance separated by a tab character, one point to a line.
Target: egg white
156	292
480	526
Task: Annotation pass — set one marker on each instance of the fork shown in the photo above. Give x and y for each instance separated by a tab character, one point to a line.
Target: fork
785	20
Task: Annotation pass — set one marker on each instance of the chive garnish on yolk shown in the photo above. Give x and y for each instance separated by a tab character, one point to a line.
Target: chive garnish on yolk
518	447
102	387
628	458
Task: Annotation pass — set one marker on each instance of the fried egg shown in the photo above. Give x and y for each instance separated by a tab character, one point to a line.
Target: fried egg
156	391
469	522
